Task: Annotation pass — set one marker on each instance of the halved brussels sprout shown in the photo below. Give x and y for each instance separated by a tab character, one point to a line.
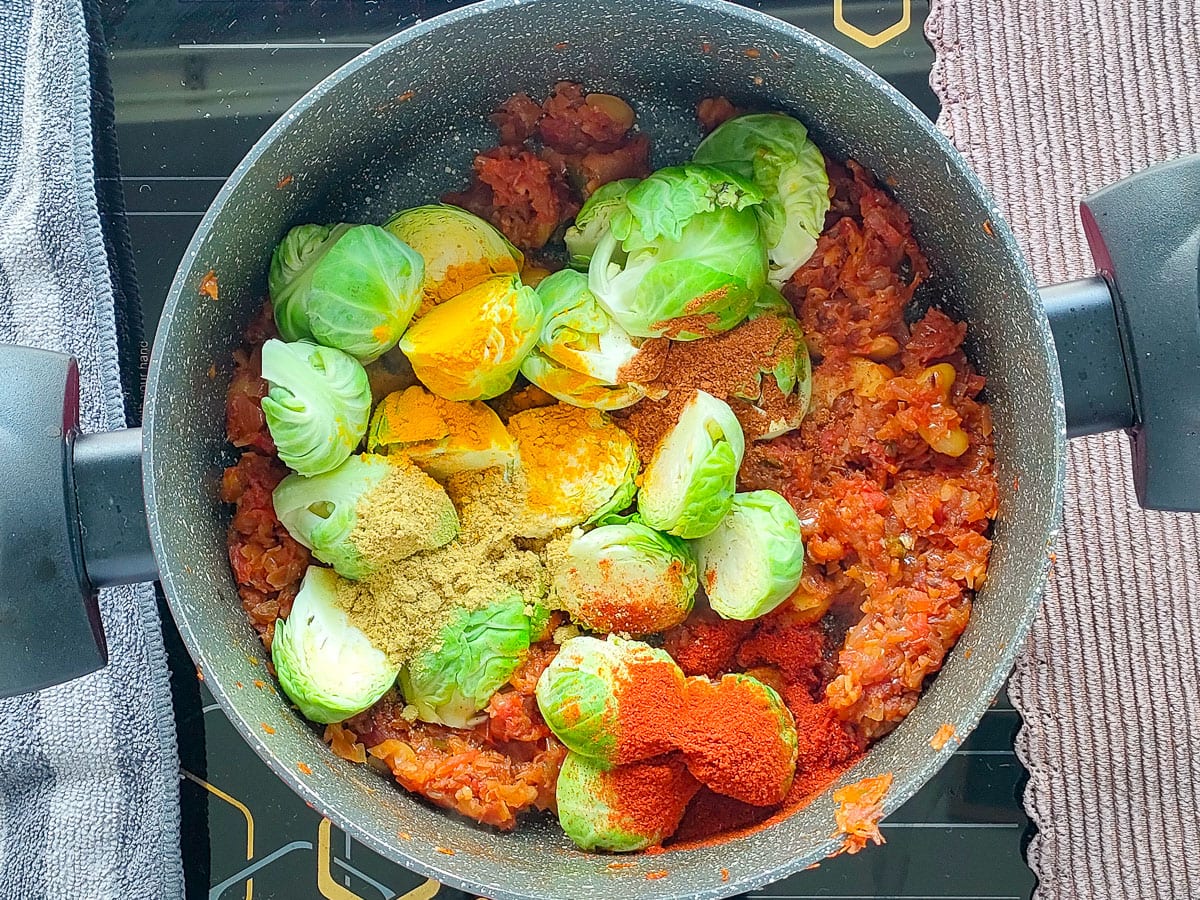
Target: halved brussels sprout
470	347
369	511
326	666
683	256
588	690
758	772
460	250
592	220
571	387
775	151
353	287
317	406
443	437
577	464
776	399
475	655
627	578
689	484
583	356
753	560
577	332
594	811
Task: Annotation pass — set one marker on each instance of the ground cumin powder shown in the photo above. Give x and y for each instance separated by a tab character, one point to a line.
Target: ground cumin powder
407	512
403	607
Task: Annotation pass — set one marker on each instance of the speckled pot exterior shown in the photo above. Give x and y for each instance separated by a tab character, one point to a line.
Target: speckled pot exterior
397	127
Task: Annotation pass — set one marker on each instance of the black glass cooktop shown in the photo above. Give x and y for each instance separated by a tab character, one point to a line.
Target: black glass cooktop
195	83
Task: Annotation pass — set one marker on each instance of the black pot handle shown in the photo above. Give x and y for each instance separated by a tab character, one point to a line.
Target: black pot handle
1129	339
72	520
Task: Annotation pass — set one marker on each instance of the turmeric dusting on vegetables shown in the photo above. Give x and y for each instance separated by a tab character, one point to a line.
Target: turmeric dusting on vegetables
578	465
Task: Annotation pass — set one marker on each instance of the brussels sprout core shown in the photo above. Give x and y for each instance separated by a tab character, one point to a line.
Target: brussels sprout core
470	347
317	405
689	484
625	578
326	666
628	808
753	560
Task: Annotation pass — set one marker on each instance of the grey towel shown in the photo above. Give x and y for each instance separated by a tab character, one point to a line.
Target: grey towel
89	801
1049	101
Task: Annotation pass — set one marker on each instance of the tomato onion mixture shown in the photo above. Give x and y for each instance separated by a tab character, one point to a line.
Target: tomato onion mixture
891	474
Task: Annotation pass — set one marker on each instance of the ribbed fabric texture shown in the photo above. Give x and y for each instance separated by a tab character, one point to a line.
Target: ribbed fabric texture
89	775
1048	102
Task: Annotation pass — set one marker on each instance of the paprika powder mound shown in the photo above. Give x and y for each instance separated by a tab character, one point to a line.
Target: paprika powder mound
739	739
650	696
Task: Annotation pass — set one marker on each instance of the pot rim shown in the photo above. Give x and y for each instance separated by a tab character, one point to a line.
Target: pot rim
430	865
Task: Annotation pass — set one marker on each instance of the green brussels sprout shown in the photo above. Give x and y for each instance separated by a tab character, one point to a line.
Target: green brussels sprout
572	387
475	655
770	302
592	221
583	692
583	356
774	401
317	406
471	346
369	511
326	666
683	256
460	250
689	484
594	812
752	562
774	150
353	287
577	332
578	466
625	577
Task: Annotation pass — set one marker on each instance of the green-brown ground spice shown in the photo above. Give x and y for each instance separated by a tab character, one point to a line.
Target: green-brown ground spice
403	607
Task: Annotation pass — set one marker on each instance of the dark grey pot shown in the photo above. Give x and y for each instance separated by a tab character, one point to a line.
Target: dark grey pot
358	151
399	126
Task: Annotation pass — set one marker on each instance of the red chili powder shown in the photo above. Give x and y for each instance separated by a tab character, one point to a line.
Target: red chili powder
651	699
795	649
706	645
733	741
649	797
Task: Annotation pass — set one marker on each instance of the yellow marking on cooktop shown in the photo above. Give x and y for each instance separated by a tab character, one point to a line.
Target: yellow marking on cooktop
334	891
240	807
866	38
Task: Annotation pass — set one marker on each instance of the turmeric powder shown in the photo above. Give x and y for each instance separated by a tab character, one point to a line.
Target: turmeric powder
577	464
441	436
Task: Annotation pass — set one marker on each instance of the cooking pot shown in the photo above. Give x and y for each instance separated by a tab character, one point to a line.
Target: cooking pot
398	126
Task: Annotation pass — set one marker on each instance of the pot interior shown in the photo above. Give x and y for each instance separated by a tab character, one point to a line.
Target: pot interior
398	127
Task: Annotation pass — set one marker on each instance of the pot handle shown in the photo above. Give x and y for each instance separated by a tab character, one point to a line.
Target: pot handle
72	520
1129	339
